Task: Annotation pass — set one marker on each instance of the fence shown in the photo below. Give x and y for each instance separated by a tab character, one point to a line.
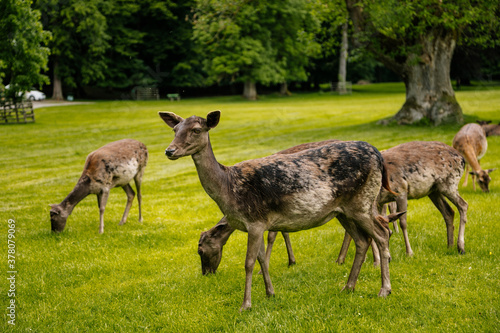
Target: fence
21	112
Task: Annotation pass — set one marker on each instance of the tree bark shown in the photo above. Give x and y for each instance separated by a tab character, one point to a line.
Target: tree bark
250	90
429	93
341	86
284	89
57	93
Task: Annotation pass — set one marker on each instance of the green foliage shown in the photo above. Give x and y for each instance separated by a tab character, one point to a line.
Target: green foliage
147	277
23	54
80	38
398	28
258	41
119	44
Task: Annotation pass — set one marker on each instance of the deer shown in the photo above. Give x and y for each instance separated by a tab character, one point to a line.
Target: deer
421	169
471	142
213	240
113	165
290	192
489	129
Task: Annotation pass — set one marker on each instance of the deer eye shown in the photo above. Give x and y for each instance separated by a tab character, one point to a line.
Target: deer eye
197	130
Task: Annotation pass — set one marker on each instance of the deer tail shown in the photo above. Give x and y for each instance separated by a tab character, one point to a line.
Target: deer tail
385	179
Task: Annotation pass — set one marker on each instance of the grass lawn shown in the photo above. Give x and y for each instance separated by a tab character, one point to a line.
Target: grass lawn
147	277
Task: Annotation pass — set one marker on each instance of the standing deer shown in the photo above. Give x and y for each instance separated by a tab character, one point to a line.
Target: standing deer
423	169
290	193
471	142
112	165
490	129
213	240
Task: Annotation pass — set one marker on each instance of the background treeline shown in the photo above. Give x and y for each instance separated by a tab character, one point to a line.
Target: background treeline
105	48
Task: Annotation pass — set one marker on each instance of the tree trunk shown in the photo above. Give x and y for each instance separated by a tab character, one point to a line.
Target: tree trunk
284	89
429	93
250	91
341	86
57	90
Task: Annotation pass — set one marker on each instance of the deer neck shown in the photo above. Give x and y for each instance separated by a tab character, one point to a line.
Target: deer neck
213	176
471	158
79	192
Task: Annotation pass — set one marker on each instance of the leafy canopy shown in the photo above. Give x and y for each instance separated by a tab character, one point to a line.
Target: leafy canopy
23	54
258	41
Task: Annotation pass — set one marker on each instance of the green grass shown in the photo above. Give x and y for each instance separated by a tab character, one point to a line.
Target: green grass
147	277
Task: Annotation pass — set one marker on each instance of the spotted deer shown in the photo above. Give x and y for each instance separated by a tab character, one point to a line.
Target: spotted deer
423	169
471	142
290	192
212	241
490	129
112	165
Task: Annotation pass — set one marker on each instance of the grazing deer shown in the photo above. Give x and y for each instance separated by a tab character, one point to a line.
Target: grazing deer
490	129
213	240
290	192
471	142
112	165
423	169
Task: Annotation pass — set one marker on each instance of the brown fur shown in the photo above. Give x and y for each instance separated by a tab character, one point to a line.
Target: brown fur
419	169
471	142
112	165
490	129
290	192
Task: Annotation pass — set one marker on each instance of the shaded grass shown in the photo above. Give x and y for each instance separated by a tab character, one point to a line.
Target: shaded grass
147	277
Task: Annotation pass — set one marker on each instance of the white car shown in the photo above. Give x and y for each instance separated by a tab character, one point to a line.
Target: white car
34	95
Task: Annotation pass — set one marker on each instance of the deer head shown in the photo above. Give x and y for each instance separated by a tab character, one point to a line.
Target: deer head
191	134
58	218
483	178
210	246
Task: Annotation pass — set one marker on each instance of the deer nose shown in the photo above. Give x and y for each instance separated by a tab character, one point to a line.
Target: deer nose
169	152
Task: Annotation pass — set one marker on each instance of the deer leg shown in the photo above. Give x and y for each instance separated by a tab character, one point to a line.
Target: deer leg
255	238
474	182
288	243
138	181
130	198
462	207
402	205
343	250
448	214
362	244
466	173
102	199
393	208
264	266
376	253
381	237
271	237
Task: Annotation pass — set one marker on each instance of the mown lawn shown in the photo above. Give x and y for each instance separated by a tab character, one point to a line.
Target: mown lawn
147	277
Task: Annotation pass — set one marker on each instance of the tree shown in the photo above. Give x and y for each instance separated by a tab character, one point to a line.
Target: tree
23	54
150	44
416	40
255	41
79	42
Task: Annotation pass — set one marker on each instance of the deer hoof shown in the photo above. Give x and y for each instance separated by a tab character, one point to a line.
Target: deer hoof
384	292
246	306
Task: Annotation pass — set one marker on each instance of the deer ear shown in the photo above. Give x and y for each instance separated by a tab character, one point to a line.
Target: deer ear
474	173
54	210
213	119
170	118
490	170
